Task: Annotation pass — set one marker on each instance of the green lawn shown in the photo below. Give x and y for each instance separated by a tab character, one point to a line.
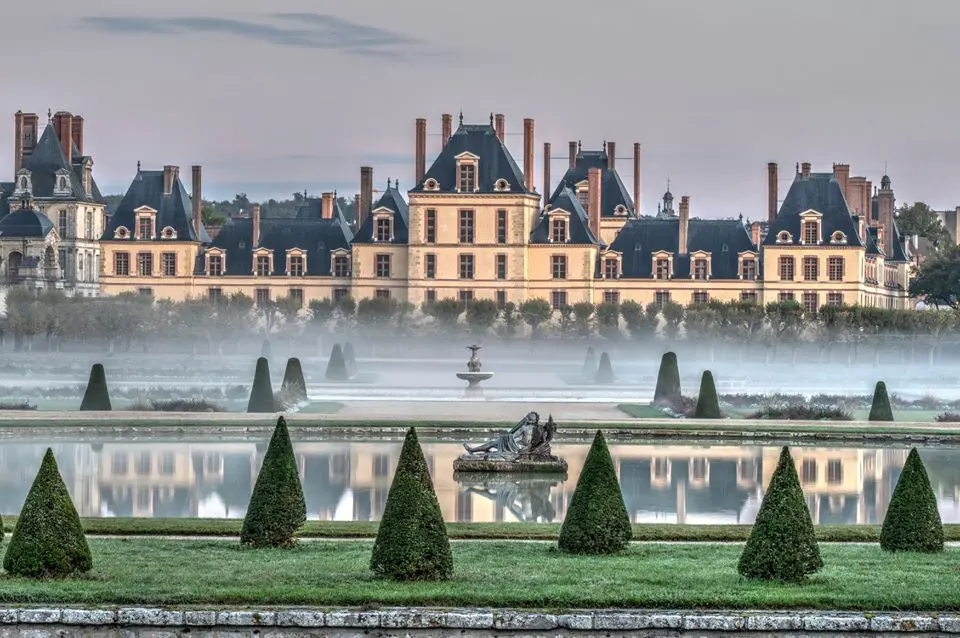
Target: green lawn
321	407
171	572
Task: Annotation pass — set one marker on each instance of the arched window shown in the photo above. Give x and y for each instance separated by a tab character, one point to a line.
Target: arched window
14	259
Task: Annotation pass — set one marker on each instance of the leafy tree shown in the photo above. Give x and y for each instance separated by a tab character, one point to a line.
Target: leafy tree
48	540
321	311
605	370
481	315
535	313
596	521
565	314
277	508
608	320
511	320
337	369
445	312
880	409
583	312
642	323
708	405
937	282
921	220
96	397
376	312
412	542
782	543
673	314
668	382
261	394
912	523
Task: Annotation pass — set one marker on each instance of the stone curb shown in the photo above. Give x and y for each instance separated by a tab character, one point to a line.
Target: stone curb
494	619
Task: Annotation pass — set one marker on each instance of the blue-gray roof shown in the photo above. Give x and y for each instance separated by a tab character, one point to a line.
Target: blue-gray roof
578	230
820	192
25	223
46	159
612	191
174	210
392	200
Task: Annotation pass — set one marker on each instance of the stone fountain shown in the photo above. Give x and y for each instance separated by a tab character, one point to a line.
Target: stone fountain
473	376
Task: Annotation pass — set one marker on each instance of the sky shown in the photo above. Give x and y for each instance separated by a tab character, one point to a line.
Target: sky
296	95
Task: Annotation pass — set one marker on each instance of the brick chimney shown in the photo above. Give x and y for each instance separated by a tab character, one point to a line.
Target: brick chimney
326	206
684	224
29	134
366	194
63	126
546	172
841	173
611	155
528	154
77	133
446	128
170	174
771	192
805	170
885	208
17	142
636	177
755	234
867	205
856	187
356	210
573	154
421	152
256	227
197	195
593	201
499	127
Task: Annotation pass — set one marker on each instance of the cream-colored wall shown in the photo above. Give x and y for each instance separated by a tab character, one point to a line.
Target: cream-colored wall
610	228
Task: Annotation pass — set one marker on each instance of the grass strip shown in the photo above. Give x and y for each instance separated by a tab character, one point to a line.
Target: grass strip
462	531
496	574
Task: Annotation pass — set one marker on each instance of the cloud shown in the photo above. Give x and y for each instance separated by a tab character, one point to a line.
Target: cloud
302	30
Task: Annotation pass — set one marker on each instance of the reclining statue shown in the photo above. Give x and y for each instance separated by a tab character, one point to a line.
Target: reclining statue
512	443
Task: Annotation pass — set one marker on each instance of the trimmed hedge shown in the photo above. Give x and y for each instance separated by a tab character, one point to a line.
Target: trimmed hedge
668	382
708	405
261	394
912	523
337	365
596	521
880	410
605	370
96	397
48	540
412	542
589	368
294	386
782	543
277	508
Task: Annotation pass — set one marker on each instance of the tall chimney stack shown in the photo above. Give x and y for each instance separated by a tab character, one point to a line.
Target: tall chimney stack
636	178
611	155
841	172
573	154
528	155
593	201
31	134
684	224
169	177
446	128
771	193
366	194
256	227
17	142
77	133
356	211
326	206
885	208
546	172
421	152
499	127
63	125
755	234
197	195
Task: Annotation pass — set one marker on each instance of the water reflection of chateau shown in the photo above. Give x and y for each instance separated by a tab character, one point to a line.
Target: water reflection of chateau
350	481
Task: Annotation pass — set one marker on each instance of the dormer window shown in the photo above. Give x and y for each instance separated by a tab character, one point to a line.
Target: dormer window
168	233
501	186
811	232
662	265
62	184
340	266
558	230
583	196
263	262
215	263
24	184
700	269
748	269
838	237
431	185
620	210
611	268
121	233
383	227
296	263
145	223
467	182
784	237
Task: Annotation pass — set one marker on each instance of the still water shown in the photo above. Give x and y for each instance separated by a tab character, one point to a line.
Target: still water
694	484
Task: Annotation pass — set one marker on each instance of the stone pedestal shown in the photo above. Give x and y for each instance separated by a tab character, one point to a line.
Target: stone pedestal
520	465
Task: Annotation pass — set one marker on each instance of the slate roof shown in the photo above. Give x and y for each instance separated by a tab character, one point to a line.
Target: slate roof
899	247
48	158
820	192
495	161
318	237
174	210
25	223
578	230
612	191
6	189
392	200
724	239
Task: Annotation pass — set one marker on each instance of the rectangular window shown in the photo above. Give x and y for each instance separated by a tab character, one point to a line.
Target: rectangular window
835	299
611	269
501	226
611	297
382	293
63	224
62	257
296	266
431	295
214	294
749	269
835	268
786	269
501	299
558	266
145	292
700	269
263	265
168	262
661	298
341	266
811	268
383	266
468	177
466	296
145	225
466	266
808	471
811	302
88	226
583	196
785	296
558	230
811	232
297	295
700	297
749	296
466	226
340	293
383	229
662	270
215	268
144	264
558	299
121	263
80	270
262	296
430	226
501	266
834	471
430	266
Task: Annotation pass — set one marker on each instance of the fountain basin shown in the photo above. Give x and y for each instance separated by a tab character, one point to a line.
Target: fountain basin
474	378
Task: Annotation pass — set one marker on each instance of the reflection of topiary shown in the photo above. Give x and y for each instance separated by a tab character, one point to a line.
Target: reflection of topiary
589	369
96	397
782	543
597	521
605	370
708	405
668	382
912	523
337	366
48	539
349	358
277	508
261	394
294	386
880	410
412	541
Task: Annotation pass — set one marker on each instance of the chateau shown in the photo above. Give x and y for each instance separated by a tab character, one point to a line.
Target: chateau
473	226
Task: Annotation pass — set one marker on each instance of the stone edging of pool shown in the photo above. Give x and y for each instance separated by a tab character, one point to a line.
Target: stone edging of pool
481	619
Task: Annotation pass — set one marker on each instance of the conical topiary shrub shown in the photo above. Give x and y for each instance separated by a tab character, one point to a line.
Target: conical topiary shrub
337	365
605	370
668	382
596	521
912	523
266	351
708	405
880	410
782	543
589	369
96	397
294	386
412	541
349	358
261	394
48	539
277	508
